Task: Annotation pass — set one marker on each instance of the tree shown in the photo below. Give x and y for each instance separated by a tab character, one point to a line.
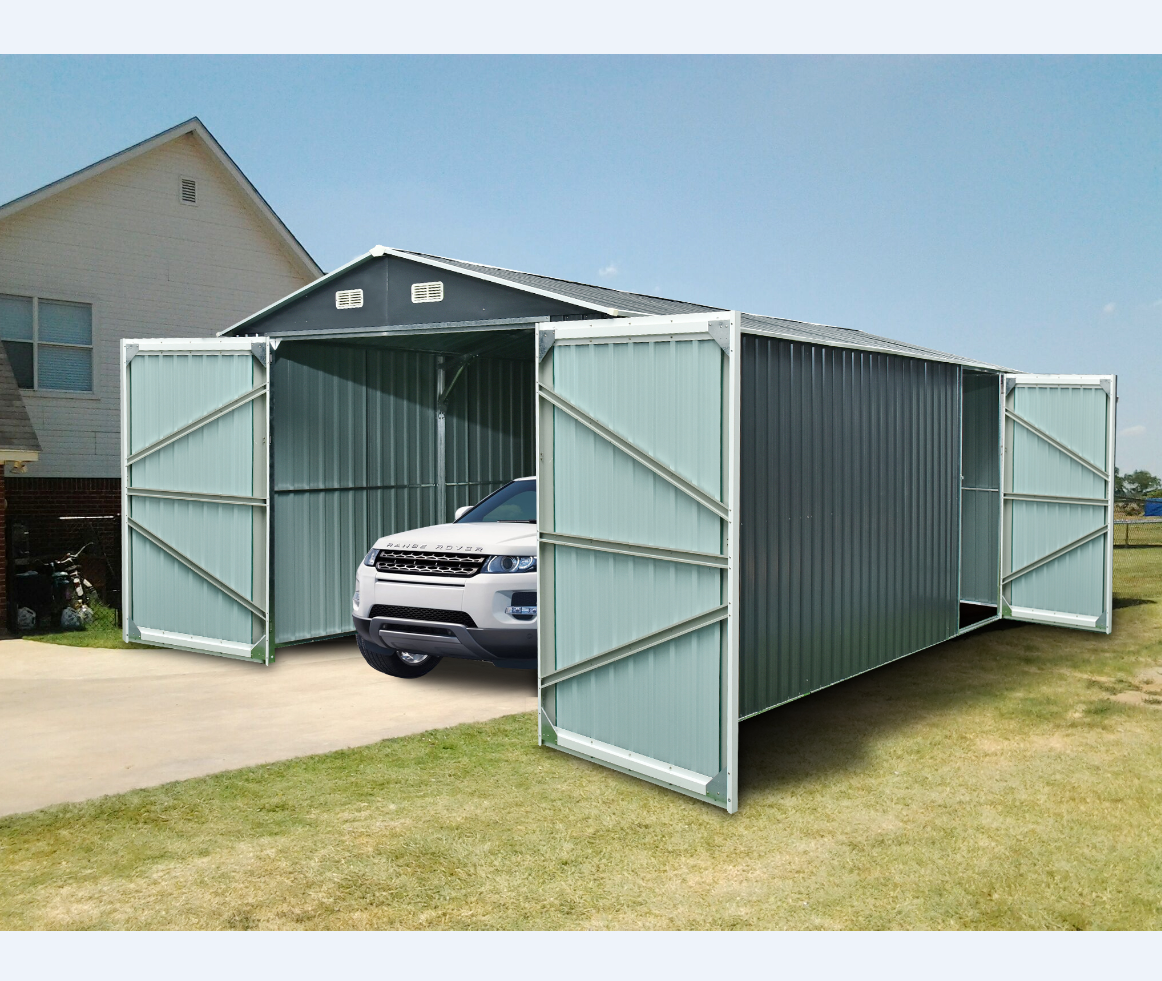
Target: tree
1140	483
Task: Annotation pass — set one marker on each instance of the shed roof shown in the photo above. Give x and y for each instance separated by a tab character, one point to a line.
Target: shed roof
193	127
620	303
17	437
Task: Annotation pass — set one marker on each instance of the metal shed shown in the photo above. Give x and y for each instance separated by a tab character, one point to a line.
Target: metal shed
734	510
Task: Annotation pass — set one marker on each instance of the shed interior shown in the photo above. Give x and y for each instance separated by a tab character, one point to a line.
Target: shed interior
980	497
375	435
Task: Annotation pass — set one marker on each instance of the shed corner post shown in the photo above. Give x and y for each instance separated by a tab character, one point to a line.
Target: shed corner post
126	557
546	630
733	472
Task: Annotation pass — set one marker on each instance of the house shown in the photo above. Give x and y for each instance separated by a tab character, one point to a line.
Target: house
165	238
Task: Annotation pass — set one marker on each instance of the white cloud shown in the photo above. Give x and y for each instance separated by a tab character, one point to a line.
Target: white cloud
608	271
1133	431
1109	308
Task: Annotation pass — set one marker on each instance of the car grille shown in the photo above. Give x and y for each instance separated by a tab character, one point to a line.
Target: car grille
423	613
430	563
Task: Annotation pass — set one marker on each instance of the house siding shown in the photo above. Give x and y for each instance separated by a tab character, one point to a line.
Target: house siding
151	267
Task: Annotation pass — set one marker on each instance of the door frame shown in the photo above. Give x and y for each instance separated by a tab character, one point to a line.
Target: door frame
1109	384
261	351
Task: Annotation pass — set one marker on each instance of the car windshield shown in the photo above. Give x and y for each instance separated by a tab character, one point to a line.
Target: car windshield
513	502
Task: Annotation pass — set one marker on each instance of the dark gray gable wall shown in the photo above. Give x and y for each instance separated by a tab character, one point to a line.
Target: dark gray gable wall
387	281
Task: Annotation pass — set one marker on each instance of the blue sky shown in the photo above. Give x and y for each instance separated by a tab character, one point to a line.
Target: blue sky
1004	208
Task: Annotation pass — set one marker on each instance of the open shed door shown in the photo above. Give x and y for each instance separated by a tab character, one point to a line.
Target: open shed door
195	465
1058	500
637	457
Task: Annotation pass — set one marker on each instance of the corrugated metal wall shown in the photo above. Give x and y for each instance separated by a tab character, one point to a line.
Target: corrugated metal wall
490	428
981	499
167	392
849	514
1078	418
356	457
666	397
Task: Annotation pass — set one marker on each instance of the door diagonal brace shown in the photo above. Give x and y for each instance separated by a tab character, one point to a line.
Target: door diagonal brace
1056	444
213	580
640	551
1054	555
634	452
196	424
1056	499
634	646
171	495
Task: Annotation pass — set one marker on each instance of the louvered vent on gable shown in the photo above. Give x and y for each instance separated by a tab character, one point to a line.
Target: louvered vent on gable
189	191
348	299
427	292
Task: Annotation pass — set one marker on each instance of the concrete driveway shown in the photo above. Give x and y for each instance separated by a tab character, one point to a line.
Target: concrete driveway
77	722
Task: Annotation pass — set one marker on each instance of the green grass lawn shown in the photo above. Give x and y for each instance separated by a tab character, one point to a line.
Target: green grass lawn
1010	779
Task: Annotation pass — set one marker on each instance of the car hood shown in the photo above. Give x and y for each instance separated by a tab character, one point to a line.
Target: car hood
488	537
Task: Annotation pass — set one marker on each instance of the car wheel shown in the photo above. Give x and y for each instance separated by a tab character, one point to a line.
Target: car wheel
398	664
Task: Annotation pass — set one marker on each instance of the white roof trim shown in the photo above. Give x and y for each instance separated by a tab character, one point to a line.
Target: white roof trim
193	127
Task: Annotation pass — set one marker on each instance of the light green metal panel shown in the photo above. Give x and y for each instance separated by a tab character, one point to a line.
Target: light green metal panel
1055	556
169	596
664	702
168	390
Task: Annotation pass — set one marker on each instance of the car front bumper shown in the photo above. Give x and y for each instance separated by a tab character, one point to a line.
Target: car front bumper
504	647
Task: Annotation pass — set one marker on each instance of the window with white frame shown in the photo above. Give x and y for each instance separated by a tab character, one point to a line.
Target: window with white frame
49	343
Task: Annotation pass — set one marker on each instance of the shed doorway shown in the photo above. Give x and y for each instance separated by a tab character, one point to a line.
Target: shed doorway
379	435
980	498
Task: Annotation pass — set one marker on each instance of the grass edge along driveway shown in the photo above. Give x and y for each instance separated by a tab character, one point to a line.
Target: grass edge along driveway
1010	779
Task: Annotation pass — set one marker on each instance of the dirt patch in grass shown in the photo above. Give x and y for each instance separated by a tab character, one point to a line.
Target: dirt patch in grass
990	783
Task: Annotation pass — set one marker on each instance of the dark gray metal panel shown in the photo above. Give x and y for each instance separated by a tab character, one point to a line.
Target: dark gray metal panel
315	308
491	428
982	429
465	298
849	499
981	501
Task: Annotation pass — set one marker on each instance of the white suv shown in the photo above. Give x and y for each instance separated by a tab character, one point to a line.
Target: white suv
466	589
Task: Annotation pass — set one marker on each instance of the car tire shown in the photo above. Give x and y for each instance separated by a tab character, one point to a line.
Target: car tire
389	662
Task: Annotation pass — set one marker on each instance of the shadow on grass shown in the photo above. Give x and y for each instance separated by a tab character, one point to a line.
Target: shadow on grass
833	730
1121	602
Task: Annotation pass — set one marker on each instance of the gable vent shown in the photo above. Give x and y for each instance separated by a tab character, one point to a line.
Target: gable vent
427	292
348	299
189	191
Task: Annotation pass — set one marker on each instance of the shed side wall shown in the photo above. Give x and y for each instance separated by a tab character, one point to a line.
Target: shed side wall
849	501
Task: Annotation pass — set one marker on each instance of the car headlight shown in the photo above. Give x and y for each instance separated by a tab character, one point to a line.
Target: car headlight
369	558
511	563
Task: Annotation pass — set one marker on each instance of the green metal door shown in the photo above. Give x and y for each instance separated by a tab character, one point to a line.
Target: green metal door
1058	496
638	658
195	465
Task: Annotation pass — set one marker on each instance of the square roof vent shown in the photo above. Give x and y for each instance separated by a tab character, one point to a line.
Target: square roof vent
189	191
427	292
348	299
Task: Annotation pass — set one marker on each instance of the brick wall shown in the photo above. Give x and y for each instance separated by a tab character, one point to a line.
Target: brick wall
3	555
38	504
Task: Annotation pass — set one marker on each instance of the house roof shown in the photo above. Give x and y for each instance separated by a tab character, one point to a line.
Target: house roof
193	127
17	437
